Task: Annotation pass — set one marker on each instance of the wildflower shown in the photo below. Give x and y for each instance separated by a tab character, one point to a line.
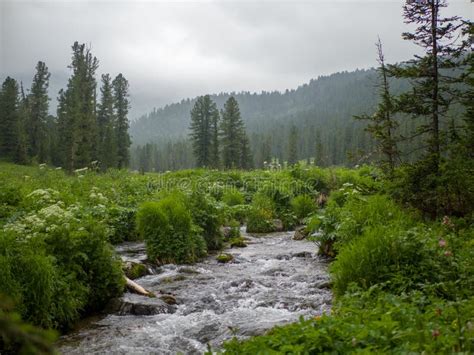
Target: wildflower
442	243
435	333
448	253
354	341
447	222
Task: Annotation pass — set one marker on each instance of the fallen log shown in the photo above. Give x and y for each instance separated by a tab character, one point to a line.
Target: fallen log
136	288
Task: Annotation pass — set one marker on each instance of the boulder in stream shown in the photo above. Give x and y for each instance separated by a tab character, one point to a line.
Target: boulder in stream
131	304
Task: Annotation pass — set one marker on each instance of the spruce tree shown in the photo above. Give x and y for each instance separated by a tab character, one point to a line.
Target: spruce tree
293	146
107	139
24	112
232	134
38	101
246	156
432	74
9	119
121	106
382	124
204	118
77	111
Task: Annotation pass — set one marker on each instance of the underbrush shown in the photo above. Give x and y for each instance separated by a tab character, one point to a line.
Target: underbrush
401	284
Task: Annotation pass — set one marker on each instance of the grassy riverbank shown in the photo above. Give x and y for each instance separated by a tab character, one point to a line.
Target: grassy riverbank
56	230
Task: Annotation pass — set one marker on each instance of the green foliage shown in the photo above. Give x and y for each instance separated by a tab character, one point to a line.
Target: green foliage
233	197
373	322
261	214
169	233
122	222
303	206
18	337
224	258
204	132
136	271
207	215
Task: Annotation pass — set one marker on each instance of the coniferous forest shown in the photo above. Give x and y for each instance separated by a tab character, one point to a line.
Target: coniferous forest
337	217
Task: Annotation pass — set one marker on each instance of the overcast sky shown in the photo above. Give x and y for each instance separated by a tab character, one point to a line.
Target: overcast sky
169	50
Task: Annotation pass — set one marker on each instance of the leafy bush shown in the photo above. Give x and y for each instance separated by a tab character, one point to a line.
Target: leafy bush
384	254
233	197
170	236
303	206
260	216
207	215
122	221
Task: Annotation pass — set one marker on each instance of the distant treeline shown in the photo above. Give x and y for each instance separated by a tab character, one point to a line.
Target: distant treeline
86	131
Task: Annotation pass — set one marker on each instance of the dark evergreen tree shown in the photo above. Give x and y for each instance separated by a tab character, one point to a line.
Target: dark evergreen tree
293	146
246	156
232	134
122	105
9	118
382	124
204	118
77	111
38	102
24	112
107	137
431	75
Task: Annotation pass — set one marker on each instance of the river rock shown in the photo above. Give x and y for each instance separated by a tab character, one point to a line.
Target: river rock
300	233
302	254
168	299
134	270
278	225
138	306
226	232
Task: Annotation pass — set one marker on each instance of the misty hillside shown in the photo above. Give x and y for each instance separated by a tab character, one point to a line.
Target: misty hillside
324	108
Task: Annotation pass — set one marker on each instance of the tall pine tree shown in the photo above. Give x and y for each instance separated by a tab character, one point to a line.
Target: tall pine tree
77	111
382	124
121	105
9	119
38	102
232	134
204	120
107	137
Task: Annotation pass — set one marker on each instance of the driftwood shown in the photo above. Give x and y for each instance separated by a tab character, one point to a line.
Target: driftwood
136	288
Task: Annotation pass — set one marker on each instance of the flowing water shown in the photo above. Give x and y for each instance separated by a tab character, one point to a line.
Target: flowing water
273	281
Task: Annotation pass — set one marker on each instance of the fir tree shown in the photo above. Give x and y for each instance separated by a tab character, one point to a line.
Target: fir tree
38	101
77	111
382	124
121	105
204	118
107	139
431	75
246	156
9	118
21	151
232	134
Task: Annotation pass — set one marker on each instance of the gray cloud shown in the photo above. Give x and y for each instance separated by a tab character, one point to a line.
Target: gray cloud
173	50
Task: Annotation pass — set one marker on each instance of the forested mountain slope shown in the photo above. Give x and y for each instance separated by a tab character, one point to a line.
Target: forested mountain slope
321	110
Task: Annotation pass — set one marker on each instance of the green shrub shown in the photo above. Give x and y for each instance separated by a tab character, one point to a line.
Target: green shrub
167	228
238	213
233	197
385	254
303	206
122	221
207	215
